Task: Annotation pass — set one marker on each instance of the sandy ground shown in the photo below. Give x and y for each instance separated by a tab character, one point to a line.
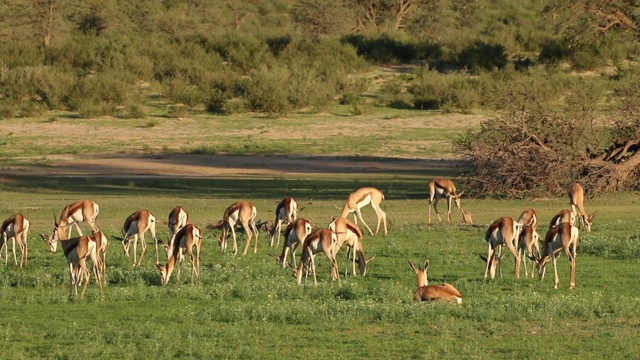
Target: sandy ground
185	165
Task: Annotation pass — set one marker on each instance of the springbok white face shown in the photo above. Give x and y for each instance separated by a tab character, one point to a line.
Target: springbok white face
52	240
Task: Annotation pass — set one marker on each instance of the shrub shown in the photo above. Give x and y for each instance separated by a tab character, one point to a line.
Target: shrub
267	90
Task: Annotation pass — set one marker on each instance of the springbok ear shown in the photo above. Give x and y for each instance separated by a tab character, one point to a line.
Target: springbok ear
413	267
159	267
426	265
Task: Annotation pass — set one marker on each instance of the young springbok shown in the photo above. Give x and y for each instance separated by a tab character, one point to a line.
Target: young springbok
563	237
187	238
426	292
245	213
16	227
349	233
361	198
134	227
77	250
286	212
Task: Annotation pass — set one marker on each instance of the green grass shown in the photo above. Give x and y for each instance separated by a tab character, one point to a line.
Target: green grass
247	307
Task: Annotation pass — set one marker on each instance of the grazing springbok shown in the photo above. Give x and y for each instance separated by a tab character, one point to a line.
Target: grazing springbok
576	199
564	215
320	240
504	231
188	237
16	227
294	236
426	292
529	217
245	213
79	211
77	250
134	227
349	233
529	241
438	188
361	198
101	248
563	237
286	212
178	218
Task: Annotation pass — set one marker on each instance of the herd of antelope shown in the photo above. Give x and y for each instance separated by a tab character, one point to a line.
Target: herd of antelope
519	236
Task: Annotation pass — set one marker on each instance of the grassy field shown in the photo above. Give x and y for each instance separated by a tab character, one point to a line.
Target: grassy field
247	307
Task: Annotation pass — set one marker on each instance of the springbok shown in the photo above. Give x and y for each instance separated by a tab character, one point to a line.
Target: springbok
426	292
529	217
16	227
504	231
438	188
187	238
576	199
349	233
564	215
135	226
101	248
294	236
245	213
529	241
563	237
361	198
77	250
320	240
79	211
178	218
286	212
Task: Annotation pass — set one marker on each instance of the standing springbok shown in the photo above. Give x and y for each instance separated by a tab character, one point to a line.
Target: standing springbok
188	237
320	240
16	227
294	236
245	213
135	226
77	250
504	231
563	237
576	199
178	218
529	217
529	241
286	212
101	249
361	198
426	292
349	233
79	211
564	215
438	188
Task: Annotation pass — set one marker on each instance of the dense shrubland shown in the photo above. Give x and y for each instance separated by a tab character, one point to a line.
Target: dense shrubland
518	61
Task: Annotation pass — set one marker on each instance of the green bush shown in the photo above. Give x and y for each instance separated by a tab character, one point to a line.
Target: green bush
267	90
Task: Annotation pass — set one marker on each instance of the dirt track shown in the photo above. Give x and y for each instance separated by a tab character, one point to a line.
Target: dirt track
183	165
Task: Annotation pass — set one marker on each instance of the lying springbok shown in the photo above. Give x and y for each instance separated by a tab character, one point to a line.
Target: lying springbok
348	233
16	227
188	237
529	241
504	231
77	250
576	199
79	211
245	213
320	240
438	188
178	218
286	212
426	292
361	198
294	236
563	237
134	227
565	215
